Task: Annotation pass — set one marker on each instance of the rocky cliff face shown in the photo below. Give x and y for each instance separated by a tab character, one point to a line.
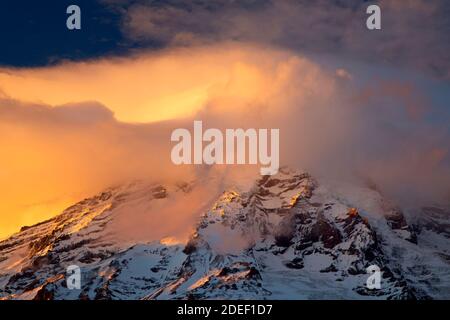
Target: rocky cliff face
286	237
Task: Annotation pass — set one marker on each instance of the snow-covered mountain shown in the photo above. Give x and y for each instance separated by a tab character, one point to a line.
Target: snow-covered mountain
288	236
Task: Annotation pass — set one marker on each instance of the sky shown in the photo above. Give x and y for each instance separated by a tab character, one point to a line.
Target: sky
82	110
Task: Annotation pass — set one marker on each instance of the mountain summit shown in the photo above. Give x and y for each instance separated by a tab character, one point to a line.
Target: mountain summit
288	236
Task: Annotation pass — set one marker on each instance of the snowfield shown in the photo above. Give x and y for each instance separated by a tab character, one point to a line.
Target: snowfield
287	236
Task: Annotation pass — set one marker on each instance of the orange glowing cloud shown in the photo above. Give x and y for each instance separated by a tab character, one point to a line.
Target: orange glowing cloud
73	129
155	86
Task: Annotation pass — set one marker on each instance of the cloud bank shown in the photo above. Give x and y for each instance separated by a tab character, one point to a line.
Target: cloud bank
57	149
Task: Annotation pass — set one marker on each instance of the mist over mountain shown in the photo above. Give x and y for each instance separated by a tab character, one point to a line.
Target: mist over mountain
333	121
